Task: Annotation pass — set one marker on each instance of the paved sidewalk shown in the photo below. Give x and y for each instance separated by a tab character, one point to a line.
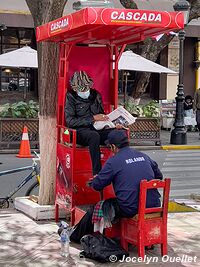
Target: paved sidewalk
192	138
27	243
193	142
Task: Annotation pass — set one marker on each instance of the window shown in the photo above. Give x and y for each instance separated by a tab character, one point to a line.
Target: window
13	79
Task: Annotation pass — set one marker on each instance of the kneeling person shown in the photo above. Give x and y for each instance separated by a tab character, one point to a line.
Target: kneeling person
125	170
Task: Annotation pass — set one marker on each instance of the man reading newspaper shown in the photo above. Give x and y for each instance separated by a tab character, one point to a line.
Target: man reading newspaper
118	116
84	112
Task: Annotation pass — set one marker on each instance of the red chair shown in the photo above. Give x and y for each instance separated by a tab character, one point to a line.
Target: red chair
149	226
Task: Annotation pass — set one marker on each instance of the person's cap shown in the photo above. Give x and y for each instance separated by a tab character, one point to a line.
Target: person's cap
118	138
81	81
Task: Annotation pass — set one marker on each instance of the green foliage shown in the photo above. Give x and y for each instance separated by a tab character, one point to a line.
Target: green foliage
134	109
150	110
20	110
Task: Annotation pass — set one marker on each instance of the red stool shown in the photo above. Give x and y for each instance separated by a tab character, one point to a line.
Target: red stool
149	226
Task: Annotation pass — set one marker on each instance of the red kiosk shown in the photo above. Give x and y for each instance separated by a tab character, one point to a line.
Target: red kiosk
93	40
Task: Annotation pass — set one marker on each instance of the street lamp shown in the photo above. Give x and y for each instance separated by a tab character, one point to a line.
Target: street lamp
2	28
178	134
92	3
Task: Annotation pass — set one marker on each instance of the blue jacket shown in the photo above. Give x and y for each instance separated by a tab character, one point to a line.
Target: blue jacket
125	170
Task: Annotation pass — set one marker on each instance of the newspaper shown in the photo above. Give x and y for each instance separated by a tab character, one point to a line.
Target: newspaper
118	116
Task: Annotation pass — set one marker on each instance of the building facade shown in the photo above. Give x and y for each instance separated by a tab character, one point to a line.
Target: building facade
16	31
20	31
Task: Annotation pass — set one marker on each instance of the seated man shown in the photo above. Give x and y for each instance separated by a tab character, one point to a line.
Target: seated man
84	107
124	170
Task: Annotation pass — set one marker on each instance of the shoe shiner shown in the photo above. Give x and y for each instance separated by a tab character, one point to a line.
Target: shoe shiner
124	170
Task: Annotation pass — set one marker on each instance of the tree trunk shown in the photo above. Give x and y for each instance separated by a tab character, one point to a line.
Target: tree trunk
47	132
129	4
44	11
151	50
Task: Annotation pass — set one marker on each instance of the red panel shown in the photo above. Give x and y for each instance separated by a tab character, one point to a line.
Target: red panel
95	61
98	25
72	175
64	182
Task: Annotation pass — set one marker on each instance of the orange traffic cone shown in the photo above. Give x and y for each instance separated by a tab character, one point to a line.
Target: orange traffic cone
24	151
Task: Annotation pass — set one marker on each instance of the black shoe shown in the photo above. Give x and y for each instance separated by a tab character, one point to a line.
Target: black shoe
149	247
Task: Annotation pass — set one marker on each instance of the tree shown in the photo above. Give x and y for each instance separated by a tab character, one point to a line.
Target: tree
152	48
42	12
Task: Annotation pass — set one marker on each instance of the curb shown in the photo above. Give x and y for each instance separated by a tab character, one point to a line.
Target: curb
15	151
180	147
174	207
141	148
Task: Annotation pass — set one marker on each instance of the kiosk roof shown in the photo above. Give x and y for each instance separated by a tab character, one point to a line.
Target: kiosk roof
109	26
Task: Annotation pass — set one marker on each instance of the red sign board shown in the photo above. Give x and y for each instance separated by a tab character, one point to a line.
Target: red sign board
85	20
60	25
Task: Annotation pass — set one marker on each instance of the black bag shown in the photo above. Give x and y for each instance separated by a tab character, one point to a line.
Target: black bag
101	248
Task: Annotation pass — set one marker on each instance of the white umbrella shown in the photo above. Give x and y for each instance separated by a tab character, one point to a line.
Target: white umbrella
132	61
24	57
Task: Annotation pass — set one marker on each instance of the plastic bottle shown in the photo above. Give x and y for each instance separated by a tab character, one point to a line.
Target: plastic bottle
64	240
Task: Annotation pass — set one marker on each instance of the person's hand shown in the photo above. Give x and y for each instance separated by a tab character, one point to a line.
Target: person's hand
89	182
119	126
100	117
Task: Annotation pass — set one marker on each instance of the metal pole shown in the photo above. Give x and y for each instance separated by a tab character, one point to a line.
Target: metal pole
125	87
1	50
178	134
25	85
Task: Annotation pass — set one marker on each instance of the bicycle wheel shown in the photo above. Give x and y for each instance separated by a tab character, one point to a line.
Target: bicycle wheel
4	203
33	189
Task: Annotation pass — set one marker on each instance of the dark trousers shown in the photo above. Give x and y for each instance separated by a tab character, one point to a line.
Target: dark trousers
85	226
198	118
93	139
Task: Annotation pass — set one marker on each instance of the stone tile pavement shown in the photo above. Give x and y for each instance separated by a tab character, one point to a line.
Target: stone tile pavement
28	243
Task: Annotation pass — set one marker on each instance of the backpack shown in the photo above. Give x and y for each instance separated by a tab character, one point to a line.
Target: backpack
101	248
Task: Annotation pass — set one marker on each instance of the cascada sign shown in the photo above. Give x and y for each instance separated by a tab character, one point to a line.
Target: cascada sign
136	16
59	25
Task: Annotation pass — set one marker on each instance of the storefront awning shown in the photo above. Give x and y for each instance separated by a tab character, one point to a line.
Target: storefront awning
109	26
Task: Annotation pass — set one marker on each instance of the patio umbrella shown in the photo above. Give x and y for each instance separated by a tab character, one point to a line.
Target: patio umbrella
132	61
24	57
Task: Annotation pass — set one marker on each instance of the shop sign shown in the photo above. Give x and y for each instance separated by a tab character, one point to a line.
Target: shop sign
137	16
60	25
129	17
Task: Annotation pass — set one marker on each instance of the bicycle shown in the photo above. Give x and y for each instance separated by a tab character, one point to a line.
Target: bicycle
35	173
